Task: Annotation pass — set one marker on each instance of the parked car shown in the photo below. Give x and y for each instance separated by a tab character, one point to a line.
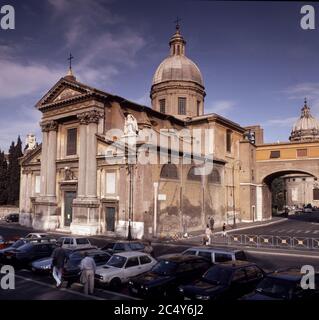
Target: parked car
307	208
12	246
225	281
74	242
34	235
44	265
216	255
72	271
123	266
28	252
122	246
12	217
284	285
3	243
165	277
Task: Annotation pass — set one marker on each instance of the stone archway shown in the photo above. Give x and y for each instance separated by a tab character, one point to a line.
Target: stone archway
266	189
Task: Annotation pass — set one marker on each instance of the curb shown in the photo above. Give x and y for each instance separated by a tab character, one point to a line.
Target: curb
255	226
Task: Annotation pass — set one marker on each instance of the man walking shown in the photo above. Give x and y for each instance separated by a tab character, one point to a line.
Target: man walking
58	261
88	268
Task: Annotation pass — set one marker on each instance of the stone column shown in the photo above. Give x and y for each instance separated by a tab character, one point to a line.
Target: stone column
51	159
43	188
82	156
91	176
29	191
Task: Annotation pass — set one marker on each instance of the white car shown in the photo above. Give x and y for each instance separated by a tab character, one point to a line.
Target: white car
123	266
74	242
34	235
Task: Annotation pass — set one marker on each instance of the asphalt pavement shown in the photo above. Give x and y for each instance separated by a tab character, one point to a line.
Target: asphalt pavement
31	286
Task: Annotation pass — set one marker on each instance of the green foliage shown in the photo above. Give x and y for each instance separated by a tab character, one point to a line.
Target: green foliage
10	174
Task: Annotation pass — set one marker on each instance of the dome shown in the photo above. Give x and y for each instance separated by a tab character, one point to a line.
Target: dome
178	67
306	127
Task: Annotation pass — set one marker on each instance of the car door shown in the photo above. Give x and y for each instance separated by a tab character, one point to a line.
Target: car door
238	285
254	275
132	268
186	272
145	263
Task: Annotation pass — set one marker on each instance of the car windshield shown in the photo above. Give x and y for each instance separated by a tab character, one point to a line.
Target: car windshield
116	261
277	288
218	275
18	244
165	267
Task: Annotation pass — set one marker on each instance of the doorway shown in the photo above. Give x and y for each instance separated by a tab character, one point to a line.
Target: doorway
110	219
69	196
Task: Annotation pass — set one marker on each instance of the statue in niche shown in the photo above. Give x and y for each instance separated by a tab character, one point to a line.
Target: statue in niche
130	126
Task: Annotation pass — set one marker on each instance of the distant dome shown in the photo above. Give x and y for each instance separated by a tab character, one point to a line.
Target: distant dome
306	127
179	68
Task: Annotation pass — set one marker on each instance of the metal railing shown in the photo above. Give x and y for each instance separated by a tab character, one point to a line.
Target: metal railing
267	241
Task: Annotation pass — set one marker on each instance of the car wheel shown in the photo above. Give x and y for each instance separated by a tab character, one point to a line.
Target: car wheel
115	284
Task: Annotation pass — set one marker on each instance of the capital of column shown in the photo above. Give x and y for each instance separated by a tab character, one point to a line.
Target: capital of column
92	116
49	126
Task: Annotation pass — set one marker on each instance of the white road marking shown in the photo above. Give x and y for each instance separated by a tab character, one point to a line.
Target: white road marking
307	231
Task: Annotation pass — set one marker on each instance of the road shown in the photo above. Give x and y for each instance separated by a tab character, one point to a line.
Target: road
305	225
30	286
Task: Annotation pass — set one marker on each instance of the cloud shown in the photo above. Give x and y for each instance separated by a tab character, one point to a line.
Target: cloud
221	107
309	90
18	79
27	121
281	122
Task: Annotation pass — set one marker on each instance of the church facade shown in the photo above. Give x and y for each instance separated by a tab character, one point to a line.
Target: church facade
107	165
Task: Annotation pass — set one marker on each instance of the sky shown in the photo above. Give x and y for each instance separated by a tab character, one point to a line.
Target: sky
257	62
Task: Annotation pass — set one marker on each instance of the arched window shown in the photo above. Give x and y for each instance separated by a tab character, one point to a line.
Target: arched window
169	171
214	177
193	175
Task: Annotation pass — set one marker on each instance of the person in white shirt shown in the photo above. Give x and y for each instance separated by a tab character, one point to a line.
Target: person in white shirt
88	268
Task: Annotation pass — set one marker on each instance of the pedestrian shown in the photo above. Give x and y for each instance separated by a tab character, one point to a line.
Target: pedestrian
211	224
88	268
149	249
58	261
208	233
224	229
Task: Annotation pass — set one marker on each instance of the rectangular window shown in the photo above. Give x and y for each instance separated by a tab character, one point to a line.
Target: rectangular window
37	184
162	105
316	194
198	108
110	182
302	152
181	106
274	154
228	140
71	141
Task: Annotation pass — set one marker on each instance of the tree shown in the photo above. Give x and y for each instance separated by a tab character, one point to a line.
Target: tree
15	152
3	179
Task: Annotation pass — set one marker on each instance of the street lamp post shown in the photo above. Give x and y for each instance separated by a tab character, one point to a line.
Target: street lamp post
130	208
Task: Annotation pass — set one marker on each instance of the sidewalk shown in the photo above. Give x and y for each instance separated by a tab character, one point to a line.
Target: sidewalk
239	226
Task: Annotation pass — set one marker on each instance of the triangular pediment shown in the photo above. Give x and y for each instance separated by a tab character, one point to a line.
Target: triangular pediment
64	90
32	156
66	94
